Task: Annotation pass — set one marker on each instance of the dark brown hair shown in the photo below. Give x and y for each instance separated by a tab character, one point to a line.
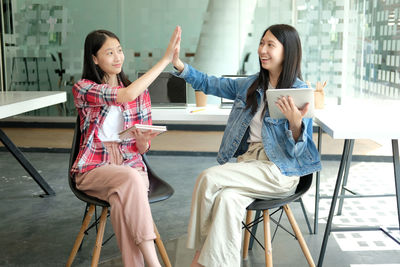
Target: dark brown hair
93	42
289	38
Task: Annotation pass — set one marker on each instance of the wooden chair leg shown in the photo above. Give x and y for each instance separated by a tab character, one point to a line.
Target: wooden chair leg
267	239
80	236
99	238
299	236
246	241
161	248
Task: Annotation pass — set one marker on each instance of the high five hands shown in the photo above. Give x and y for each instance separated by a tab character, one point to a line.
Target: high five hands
174	46
178	64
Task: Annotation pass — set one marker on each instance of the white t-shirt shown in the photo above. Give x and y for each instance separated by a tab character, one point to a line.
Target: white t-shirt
113	124
256	123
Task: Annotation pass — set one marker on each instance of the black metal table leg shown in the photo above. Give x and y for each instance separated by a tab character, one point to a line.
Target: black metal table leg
317	184
305	216
25	164
345	178
345	156
396	165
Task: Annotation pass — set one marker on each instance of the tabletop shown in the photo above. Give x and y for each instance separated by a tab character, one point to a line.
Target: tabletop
210	115
16	102
360	122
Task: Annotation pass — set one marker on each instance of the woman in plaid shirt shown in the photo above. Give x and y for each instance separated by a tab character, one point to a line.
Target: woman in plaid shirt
107	167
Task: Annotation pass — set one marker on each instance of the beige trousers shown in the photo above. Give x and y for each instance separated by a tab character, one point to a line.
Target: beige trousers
219	202
126	189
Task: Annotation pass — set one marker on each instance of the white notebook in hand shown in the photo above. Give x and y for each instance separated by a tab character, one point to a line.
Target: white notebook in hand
126	134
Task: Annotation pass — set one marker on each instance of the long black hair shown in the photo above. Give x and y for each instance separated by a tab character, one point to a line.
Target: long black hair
289	38
93	42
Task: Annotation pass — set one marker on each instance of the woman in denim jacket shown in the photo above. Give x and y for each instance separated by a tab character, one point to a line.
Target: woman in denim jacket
271	153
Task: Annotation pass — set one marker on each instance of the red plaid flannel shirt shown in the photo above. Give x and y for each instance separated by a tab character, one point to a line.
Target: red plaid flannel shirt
93	102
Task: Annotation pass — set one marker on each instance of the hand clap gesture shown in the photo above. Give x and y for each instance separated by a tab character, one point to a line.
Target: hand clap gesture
174	45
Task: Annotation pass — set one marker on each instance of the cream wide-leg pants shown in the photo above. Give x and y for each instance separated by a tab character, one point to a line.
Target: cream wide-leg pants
126	189
219	202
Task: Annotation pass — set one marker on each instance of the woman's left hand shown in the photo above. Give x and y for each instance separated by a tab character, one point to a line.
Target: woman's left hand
293	114
143	138
289	109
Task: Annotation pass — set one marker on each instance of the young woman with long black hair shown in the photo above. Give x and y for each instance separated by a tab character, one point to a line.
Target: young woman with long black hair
271	154
107	167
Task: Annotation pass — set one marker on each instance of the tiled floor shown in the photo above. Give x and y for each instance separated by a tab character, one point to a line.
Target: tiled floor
365	178
40	231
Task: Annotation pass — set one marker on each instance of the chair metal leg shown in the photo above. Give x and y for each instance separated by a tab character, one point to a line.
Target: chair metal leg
254	230
267	239
299	236
95	216
80	236
99	238
246	242
161	248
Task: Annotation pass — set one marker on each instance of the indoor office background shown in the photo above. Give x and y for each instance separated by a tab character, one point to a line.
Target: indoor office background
354	45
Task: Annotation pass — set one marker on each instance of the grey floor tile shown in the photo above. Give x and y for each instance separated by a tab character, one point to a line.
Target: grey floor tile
39	231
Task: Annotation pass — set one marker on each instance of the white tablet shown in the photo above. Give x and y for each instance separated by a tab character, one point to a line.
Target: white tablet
301	96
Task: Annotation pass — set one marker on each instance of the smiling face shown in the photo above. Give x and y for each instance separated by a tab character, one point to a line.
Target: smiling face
271	53
110	57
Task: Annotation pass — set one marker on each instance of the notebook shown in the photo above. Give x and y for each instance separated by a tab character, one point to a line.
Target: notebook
143	127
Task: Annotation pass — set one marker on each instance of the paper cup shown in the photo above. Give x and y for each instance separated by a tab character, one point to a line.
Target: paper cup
201	99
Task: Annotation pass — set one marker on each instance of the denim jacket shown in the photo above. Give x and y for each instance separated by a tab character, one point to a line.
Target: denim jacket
292	158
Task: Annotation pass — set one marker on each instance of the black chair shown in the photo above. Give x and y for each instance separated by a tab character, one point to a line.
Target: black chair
159	190
282	204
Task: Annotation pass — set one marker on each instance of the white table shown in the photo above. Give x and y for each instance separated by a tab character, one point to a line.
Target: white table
359	122
17	102
210	115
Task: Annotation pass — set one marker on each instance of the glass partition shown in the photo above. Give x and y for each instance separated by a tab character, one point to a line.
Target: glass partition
354	45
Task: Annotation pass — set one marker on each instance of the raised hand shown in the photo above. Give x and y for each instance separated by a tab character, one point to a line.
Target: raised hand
178	64
174	44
